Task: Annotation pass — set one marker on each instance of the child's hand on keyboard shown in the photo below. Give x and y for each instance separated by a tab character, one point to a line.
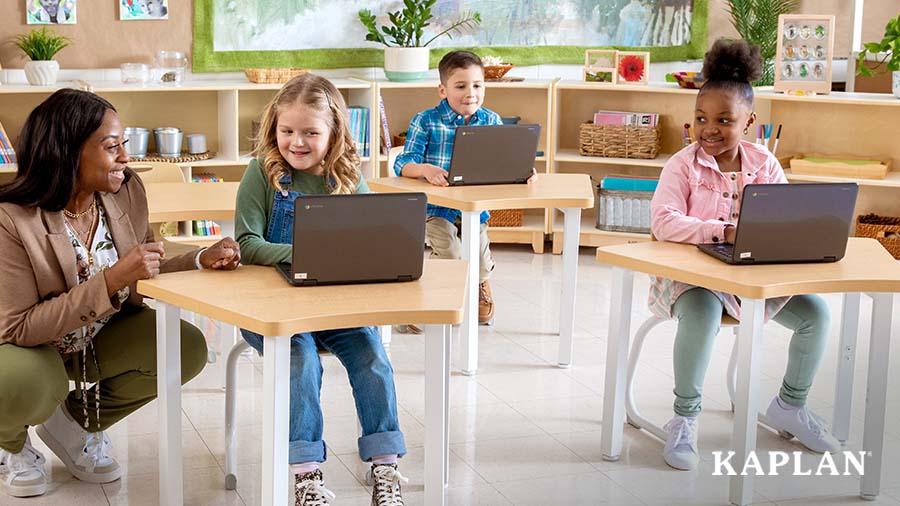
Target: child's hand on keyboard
730	231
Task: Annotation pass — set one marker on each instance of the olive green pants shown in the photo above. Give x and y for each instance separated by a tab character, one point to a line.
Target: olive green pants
33	381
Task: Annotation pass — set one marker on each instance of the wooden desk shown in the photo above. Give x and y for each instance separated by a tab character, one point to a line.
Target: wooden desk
570	193
258	299
867	267
191	201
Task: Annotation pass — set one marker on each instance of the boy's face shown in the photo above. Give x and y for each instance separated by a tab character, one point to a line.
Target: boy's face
464	90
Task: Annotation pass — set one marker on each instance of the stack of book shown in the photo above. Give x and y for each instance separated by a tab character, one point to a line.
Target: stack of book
621	118
206	227
359	129
7	152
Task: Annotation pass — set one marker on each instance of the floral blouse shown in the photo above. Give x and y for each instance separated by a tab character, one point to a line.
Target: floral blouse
102	255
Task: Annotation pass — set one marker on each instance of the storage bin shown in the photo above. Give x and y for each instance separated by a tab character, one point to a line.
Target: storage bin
623	210
618	141
885	229
505	218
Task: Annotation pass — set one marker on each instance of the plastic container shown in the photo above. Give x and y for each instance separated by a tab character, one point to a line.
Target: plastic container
135	73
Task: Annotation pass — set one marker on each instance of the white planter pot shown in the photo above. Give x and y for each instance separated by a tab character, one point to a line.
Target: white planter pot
406	63
895	83
41	73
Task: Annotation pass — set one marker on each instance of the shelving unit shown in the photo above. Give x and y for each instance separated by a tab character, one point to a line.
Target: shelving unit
530	99
859	123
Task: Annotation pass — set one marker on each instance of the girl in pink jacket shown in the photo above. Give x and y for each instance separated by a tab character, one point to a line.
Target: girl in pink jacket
697	201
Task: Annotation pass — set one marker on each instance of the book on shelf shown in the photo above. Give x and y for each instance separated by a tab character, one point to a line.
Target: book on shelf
622	118
385	133
204	177
7	152
359	129
205	228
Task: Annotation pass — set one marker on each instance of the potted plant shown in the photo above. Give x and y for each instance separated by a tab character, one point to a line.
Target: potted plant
40	46
406	57
757	23
890	47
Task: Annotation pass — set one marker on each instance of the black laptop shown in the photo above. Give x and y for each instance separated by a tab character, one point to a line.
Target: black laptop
359	238
788	223
493	154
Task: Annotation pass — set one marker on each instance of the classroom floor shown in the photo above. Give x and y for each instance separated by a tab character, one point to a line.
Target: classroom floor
522	431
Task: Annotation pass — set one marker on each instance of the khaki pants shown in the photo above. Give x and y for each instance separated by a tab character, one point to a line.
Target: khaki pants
443	237
34	381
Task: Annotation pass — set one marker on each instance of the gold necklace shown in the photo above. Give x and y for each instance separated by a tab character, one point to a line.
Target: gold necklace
75	216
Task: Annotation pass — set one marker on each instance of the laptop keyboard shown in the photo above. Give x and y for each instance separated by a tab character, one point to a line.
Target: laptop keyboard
726	250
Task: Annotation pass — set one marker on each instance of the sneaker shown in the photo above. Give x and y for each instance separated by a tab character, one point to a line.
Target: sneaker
22	474
386	490
309	489
85	454
681	444
809	428
408	329
485	304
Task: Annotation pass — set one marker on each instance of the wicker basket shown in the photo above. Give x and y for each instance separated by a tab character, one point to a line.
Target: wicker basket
618	141
623	210
505	218
497	71
885	229
273	76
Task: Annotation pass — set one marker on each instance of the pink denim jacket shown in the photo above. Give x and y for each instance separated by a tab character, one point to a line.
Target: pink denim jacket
692	205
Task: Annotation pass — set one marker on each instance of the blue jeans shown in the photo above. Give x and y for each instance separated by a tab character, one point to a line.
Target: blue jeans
371	377
361	352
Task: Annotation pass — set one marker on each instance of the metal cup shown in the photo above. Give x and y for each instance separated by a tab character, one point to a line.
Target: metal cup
168	141
196	144
137	142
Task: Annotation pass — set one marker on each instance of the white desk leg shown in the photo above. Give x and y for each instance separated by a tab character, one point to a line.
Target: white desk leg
876	393
843	388
468	332
386	335
437	421
616	356
743	439
276	419
168	388
228	337
571	233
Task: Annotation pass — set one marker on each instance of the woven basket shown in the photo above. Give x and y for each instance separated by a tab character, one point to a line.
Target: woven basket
886	230
618	141
505	218
273	76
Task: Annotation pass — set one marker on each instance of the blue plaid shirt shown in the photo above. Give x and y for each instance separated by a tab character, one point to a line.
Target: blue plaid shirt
430	140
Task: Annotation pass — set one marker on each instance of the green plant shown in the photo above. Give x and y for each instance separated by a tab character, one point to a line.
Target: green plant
41	44
890	44
409	24
757	23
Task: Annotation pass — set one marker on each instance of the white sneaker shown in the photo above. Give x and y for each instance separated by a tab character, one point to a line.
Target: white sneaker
22	474
309	490
681	444
386	487
809	428
84	453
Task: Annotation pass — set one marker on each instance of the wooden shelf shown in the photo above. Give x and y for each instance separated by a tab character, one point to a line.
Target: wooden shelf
892	180
570	155
531	232
8	168
593	237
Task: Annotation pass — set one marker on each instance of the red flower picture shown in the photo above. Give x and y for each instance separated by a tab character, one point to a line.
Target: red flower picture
631	68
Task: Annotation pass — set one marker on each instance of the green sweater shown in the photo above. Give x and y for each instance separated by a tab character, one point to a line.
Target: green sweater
255	199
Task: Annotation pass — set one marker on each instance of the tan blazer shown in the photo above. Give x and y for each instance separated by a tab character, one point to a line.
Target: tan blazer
40	298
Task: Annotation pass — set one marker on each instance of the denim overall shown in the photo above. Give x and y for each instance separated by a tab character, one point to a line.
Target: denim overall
359	350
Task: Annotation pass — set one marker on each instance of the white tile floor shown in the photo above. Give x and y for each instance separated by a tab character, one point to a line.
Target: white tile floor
523	431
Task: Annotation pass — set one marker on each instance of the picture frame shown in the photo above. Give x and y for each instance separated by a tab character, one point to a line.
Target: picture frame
633	67
804	54
599	66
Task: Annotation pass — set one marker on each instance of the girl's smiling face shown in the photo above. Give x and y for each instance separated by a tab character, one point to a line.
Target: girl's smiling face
719	121
304	137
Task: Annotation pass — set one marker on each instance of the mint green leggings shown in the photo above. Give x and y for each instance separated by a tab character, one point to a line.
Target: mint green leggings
699	315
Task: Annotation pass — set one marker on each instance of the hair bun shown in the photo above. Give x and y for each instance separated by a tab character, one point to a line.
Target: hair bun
732	61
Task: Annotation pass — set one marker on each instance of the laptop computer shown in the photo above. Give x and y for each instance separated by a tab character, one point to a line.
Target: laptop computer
360	238
790	223
493	154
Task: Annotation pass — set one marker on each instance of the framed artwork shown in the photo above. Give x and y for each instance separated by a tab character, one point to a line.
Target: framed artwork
804	53
130	10
50	12
632	67
600	66
231	35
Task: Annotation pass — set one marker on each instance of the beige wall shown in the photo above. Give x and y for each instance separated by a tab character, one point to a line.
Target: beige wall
102	41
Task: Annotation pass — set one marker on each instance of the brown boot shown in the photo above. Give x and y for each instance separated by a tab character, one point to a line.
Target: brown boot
485	304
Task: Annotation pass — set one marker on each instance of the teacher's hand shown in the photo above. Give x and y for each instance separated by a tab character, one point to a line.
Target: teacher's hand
141	262
225	255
